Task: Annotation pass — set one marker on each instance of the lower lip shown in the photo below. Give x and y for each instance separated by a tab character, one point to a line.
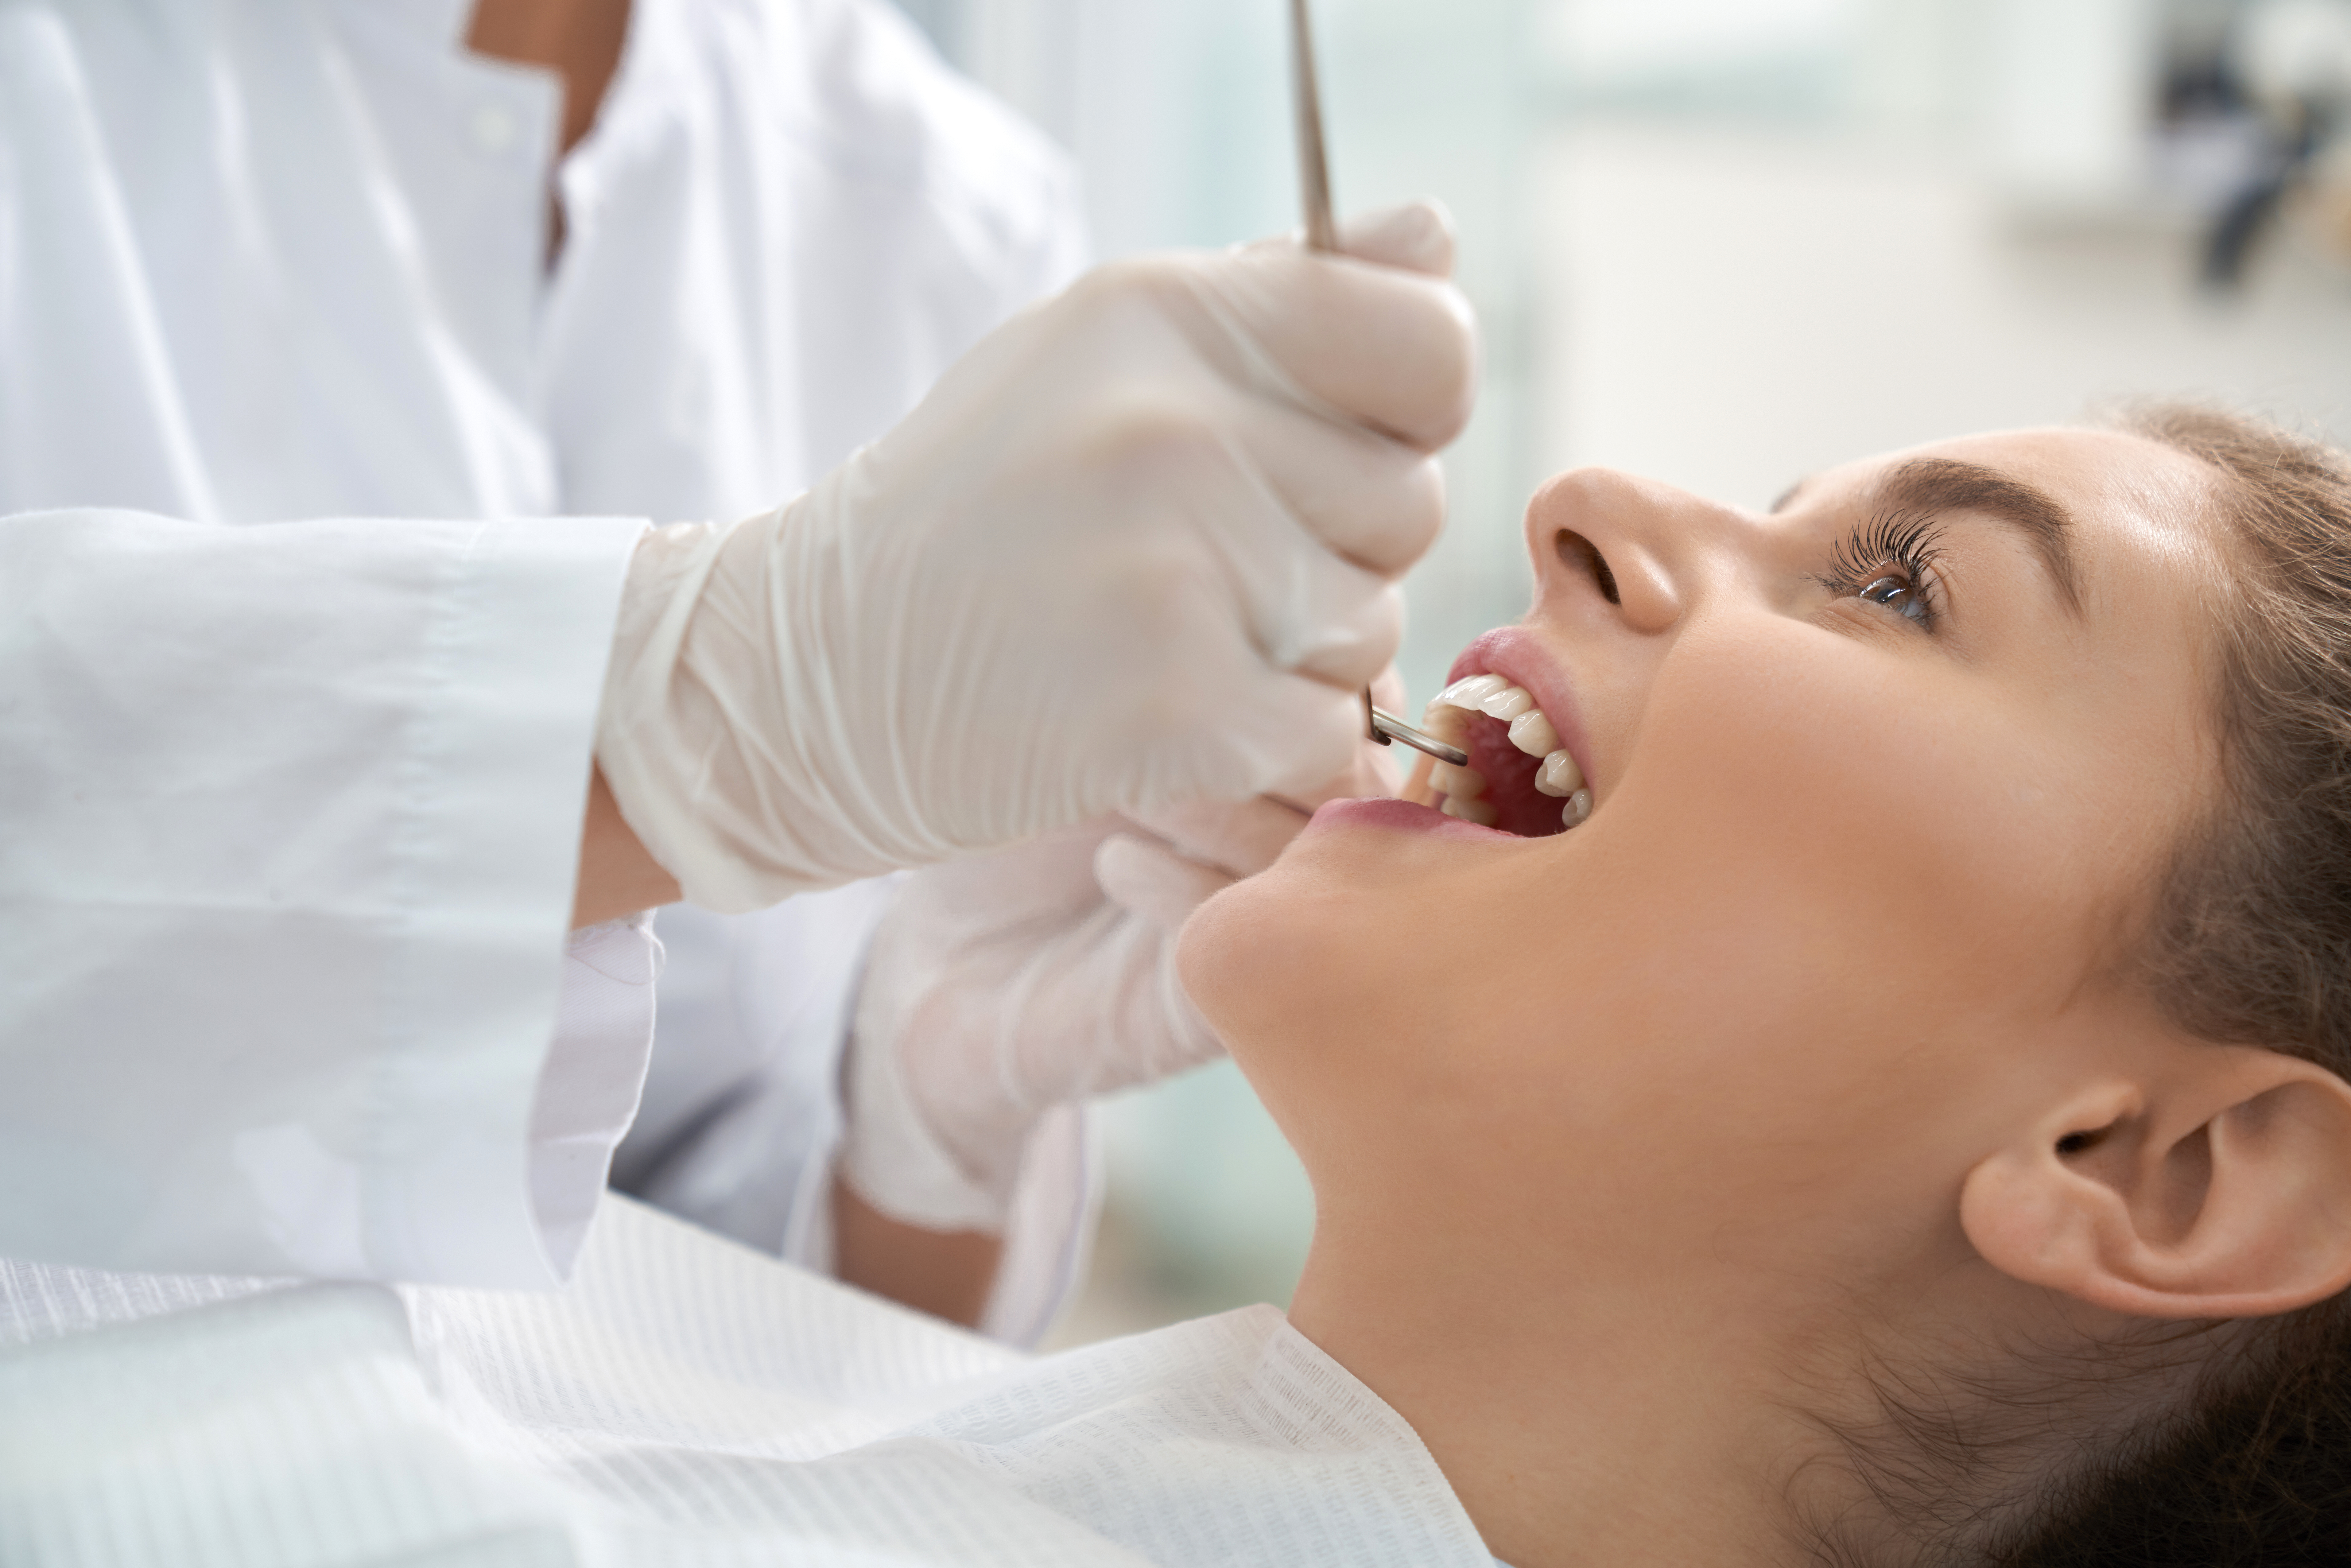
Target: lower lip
1398	815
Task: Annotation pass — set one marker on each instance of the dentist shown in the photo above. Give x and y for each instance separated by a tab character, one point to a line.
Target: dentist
355	362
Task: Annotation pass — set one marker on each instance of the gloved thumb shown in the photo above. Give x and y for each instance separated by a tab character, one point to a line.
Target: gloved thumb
1155	882
1417	236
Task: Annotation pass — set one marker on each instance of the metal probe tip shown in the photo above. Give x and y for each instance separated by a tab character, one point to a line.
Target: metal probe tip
1385	726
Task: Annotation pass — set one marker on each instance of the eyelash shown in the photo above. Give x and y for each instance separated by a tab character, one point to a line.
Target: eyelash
1891	544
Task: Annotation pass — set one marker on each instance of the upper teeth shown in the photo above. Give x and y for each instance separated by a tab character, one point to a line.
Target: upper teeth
1530	732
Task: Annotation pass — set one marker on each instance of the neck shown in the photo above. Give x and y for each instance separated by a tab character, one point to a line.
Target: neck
1599	1398
1578	1423
579	40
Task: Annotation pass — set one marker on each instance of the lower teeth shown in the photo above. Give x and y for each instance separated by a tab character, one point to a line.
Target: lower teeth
1481	812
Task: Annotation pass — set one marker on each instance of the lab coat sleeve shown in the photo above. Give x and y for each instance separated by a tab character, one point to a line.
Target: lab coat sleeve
293	818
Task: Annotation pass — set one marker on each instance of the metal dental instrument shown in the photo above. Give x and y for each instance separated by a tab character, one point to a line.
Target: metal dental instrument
1385	726
1314	191
1314	168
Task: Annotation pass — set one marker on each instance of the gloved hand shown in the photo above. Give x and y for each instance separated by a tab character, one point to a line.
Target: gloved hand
1139	547
1004	985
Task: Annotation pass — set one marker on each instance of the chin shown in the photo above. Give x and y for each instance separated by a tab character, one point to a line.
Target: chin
1304	966
1339	1011
1238	956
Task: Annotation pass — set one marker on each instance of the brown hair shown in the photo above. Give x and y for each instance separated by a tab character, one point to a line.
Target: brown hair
2250	943
2246	1459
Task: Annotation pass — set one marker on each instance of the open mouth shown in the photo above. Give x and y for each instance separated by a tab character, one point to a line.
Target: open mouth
1519	778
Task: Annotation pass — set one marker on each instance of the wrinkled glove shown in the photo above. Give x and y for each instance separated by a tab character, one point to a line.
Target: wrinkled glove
1138	548
1002	986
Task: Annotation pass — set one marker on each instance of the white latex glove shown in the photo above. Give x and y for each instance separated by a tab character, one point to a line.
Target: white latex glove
1138	547
1004	985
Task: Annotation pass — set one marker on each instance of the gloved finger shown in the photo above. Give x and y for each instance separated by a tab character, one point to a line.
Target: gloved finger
1046	879
1352	651
1242	837
1294	732
1377	502
1154	882
1377	771
1230	644
1211	714
1305	608
1416	236
1392	350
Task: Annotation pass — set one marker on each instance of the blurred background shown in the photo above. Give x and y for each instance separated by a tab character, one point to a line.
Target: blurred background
1719	241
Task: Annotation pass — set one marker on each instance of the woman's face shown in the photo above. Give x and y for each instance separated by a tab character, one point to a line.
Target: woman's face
1880	778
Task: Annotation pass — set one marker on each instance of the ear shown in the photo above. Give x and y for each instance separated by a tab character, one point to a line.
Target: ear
2221	1189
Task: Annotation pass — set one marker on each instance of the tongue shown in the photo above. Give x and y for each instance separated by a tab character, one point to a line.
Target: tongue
1519	807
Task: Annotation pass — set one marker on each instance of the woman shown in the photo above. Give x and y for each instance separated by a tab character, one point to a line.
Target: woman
1900	1122
1853	1157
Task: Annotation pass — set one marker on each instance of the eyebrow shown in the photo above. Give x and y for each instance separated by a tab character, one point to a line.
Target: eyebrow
1946	485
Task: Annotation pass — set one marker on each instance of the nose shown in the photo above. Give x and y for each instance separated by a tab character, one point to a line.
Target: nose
1597	536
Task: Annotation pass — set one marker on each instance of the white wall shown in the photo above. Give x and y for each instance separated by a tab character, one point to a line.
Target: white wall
1728	310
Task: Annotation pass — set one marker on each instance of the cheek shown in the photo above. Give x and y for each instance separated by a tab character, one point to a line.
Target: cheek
1838	844
1804	925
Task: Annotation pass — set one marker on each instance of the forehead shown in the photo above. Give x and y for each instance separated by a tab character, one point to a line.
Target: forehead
2127	495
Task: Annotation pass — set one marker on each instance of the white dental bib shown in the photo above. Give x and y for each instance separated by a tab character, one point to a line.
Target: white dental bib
683	1401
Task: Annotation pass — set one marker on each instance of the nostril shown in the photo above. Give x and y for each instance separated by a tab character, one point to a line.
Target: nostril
1579	554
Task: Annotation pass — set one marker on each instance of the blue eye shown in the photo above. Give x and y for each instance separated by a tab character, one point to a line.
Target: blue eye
1896	594
1890	561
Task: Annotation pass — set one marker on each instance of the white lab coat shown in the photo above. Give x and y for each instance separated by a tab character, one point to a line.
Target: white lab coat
682	1402
292	810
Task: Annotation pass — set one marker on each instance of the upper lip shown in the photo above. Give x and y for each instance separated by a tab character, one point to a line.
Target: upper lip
1518	655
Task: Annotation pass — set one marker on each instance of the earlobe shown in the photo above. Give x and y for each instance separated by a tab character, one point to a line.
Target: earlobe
2220	1190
